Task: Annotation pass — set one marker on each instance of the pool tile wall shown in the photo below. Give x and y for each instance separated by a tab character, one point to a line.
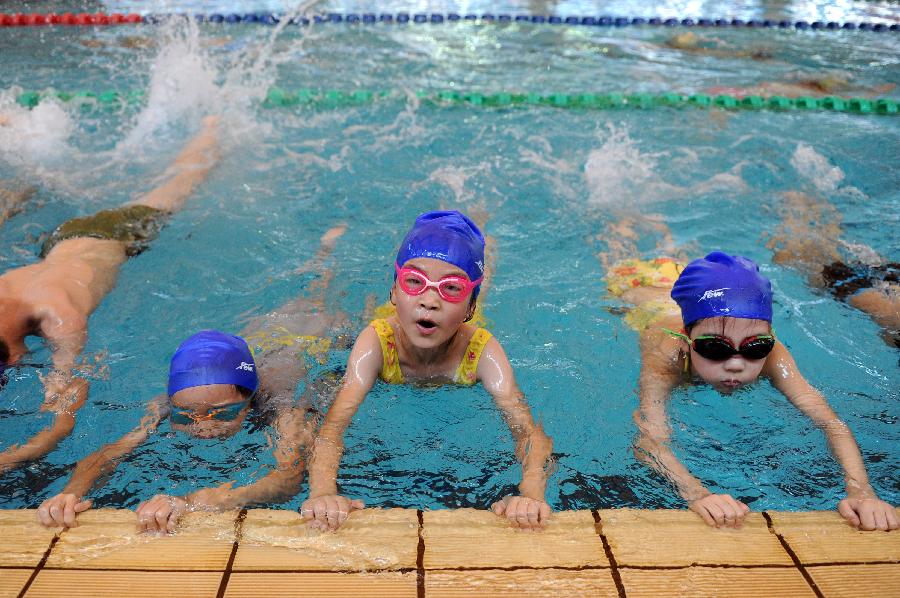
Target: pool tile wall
465	552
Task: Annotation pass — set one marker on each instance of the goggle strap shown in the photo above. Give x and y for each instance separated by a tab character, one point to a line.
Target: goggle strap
679	335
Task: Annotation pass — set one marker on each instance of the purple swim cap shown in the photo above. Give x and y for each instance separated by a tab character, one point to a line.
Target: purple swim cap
723	285
447	236
212	357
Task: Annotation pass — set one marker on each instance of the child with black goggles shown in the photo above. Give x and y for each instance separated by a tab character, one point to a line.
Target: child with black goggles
726	341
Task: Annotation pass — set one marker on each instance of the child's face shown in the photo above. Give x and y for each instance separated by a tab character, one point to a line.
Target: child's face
199	410
428	320
736	371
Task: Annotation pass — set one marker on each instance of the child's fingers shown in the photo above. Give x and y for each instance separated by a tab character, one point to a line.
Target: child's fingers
716	512
320	512
498	507
847	512
892	520
162	518
521	513
510	509
707	517
69	511
357	504
880	519
544	510
331	512
866	518
172	521
56	513
699	507
734	514
83	506
43	515
147	514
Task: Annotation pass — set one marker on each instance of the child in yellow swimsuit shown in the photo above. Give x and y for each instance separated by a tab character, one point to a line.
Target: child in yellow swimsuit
438	272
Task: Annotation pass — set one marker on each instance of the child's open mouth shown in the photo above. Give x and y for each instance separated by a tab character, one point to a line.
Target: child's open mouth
426	327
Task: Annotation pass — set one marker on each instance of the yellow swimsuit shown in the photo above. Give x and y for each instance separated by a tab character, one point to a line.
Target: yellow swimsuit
659	273
390	367
275	337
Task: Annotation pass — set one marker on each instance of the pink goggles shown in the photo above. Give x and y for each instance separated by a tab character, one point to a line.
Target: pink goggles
451	288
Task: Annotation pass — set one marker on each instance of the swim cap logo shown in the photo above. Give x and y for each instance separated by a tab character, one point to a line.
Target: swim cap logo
480	265
711	293
247	367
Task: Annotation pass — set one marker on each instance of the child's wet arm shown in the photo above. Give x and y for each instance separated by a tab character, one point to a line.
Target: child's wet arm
293	432
782	370
105	460
533	446
328	447
66	333
363	367
68	399
659	375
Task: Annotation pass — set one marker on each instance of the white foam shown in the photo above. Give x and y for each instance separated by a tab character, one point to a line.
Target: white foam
815	168
619	174
33	139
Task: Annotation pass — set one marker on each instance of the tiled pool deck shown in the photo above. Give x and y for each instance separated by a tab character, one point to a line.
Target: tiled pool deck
399	552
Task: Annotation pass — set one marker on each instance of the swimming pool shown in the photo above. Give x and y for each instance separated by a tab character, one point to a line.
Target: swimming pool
550	180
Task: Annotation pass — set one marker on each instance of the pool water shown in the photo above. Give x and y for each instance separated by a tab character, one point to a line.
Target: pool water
550	181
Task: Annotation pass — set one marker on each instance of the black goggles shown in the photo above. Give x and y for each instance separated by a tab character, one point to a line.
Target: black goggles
718	348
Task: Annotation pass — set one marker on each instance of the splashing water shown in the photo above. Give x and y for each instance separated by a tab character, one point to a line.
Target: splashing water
33	140
619	174
816	168
191	76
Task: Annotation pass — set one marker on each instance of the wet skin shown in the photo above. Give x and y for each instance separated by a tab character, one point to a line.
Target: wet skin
736	371
200	400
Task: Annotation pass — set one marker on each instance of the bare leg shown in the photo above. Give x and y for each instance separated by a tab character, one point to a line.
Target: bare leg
295	327
883	305
808	240
808	235
187	171
622	238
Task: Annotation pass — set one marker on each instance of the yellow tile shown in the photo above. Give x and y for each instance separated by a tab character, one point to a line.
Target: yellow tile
719	582
854	581
12	581
681	538
477	538
824	537
23	541
371	539
352	585
109	539
134	584
559	583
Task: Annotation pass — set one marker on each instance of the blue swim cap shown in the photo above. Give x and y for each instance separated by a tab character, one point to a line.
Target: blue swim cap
447	236
212	357
723	285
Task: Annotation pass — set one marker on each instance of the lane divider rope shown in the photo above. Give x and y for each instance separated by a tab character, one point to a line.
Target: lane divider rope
43	19
280	98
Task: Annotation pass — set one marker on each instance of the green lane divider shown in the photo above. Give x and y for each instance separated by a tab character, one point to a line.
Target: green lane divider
330	99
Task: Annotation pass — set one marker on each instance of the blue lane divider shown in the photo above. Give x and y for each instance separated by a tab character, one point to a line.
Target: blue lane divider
489	18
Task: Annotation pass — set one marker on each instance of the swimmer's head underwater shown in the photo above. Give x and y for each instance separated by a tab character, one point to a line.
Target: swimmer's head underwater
212	380
726	309
438	273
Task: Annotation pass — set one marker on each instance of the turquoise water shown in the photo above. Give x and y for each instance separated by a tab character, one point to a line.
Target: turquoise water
550	180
